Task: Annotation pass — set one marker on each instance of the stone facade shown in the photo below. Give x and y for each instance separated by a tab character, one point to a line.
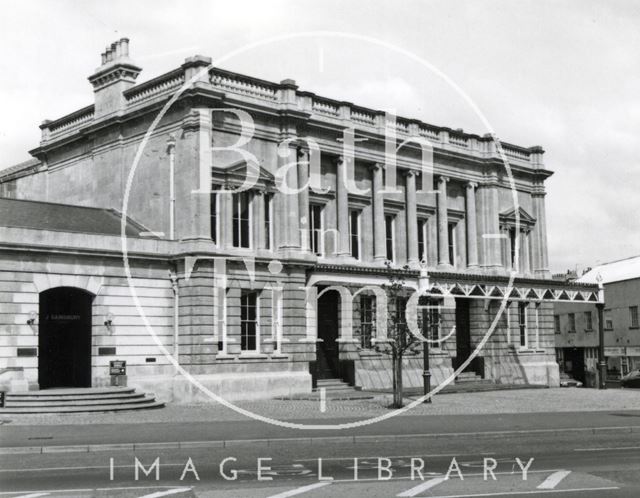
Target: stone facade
223	277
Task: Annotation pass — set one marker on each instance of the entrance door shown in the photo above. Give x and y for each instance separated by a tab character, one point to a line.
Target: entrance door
328	330
463	332
64	358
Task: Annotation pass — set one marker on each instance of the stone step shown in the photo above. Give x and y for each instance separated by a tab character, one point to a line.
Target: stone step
75	391
70	398
138	398
150	404
78	400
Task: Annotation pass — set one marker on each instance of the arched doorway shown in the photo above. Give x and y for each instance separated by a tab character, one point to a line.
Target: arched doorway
64	342
327	352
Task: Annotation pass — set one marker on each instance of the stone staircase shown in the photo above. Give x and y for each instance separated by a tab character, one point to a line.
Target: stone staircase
471	378
107	399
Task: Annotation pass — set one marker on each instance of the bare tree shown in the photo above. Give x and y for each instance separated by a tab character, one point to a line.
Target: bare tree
400	340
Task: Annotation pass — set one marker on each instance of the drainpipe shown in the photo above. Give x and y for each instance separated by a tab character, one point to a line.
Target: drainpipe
176	302
171	147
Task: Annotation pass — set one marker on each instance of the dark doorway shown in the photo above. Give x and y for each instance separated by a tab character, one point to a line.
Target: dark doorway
463	332
327	353
64	358
574	363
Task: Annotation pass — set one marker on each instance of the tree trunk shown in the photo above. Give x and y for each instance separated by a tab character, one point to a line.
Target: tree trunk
397	380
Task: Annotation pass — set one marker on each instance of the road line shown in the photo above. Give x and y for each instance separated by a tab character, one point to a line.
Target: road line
303	489
538	492
431	483
350	458
323	400
32	495
608	449
78	490
168	492
94	467
554	479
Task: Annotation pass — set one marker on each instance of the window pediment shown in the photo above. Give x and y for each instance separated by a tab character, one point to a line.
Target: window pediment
508	218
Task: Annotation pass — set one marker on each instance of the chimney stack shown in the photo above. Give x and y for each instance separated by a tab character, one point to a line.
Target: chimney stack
116	74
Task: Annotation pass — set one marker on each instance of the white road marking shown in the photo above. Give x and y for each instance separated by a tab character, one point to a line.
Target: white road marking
608	449
323	400
513	493
393	456
554	479
167	492
431	483
83	490
32	495
303	489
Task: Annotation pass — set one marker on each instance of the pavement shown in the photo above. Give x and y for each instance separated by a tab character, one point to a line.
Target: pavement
494	402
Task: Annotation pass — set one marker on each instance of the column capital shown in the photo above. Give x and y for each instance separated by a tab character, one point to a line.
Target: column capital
471	185
443	179
376	166
303	152
339	160
411	172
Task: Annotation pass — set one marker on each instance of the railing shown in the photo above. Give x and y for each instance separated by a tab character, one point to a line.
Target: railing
515	152
363	117
153	88
325	107
459	141
71	122
244	86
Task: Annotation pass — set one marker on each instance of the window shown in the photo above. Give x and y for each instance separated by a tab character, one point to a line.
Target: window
556	322
422	240
452	244
633	315
249	321
213	201
572	322
512	243
315	230
268	217
367	320
389	220
608	320
401	314
522	324
242	219
430	314
354	234
588	321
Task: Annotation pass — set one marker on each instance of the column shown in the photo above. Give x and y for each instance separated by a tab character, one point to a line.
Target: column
524	243
259	235
303	197
412	218
489	227
342	207
290	238
540	257
225	219
443	223
377	198
471	224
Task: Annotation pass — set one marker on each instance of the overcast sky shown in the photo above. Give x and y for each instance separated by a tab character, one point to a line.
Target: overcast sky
561	74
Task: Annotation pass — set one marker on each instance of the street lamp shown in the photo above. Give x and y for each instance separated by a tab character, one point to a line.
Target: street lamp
602	362
426	369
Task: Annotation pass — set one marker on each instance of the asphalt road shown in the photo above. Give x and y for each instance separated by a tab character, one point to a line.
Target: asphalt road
247	429
602	462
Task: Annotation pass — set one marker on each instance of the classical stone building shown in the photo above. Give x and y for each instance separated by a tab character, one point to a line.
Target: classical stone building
236	284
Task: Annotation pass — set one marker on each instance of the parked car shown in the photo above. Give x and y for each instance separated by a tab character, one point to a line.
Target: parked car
632	379
567	381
